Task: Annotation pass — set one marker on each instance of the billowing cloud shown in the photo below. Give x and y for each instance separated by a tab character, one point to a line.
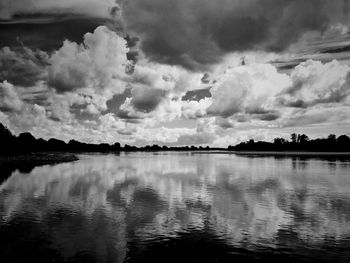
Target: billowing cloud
195	109
153	84
315	82
247	89
97	68
99	62
9	99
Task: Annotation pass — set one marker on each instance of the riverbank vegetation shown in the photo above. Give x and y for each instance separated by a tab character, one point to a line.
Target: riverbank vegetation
26	143
297	142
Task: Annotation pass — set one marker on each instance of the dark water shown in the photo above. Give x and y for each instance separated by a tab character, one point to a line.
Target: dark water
177	207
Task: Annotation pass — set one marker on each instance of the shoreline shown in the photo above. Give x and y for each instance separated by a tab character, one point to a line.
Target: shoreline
291	153
47	158
27	162
277	153
37	159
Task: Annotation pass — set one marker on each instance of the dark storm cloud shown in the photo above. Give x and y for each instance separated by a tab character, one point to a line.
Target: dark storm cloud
114	104
146	99
341	49
196	95
224	123
132	41
198	32
44	24
206	78
95	8
133	53
129	117
288	65
46	32
269	116
23	66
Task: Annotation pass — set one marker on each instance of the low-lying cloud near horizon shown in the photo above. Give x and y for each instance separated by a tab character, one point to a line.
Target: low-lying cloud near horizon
175	72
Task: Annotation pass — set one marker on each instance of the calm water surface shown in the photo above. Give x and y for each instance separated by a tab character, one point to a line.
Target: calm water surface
177	207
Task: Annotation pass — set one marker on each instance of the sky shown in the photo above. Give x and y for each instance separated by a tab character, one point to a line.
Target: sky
175	72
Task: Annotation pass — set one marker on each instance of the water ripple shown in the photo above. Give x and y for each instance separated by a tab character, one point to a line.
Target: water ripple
213	208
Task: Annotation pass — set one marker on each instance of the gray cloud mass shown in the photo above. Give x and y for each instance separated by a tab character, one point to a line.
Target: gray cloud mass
23	67
198	32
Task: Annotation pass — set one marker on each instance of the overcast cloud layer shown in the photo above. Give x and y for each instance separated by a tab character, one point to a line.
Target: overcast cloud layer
197	32
175	72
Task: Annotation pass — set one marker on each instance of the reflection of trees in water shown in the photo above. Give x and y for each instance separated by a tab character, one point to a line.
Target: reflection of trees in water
299	163
8	168
139	198
332	163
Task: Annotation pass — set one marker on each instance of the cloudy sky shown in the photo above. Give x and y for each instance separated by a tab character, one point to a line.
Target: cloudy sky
175	72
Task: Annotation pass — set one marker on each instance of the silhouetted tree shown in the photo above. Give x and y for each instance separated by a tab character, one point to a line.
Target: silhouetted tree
116	146
251	141
279	140
302	138
5	133
343	140
6	140
332	137
26	138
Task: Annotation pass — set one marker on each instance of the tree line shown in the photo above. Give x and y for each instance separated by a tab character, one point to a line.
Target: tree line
26	142
297	142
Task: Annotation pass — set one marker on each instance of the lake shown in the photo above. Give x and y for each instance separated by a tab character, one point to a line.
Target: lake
178	207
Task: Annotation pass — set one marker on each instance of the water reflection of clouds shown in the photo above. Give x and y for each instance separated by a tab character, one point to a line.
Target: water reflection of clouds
253	199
